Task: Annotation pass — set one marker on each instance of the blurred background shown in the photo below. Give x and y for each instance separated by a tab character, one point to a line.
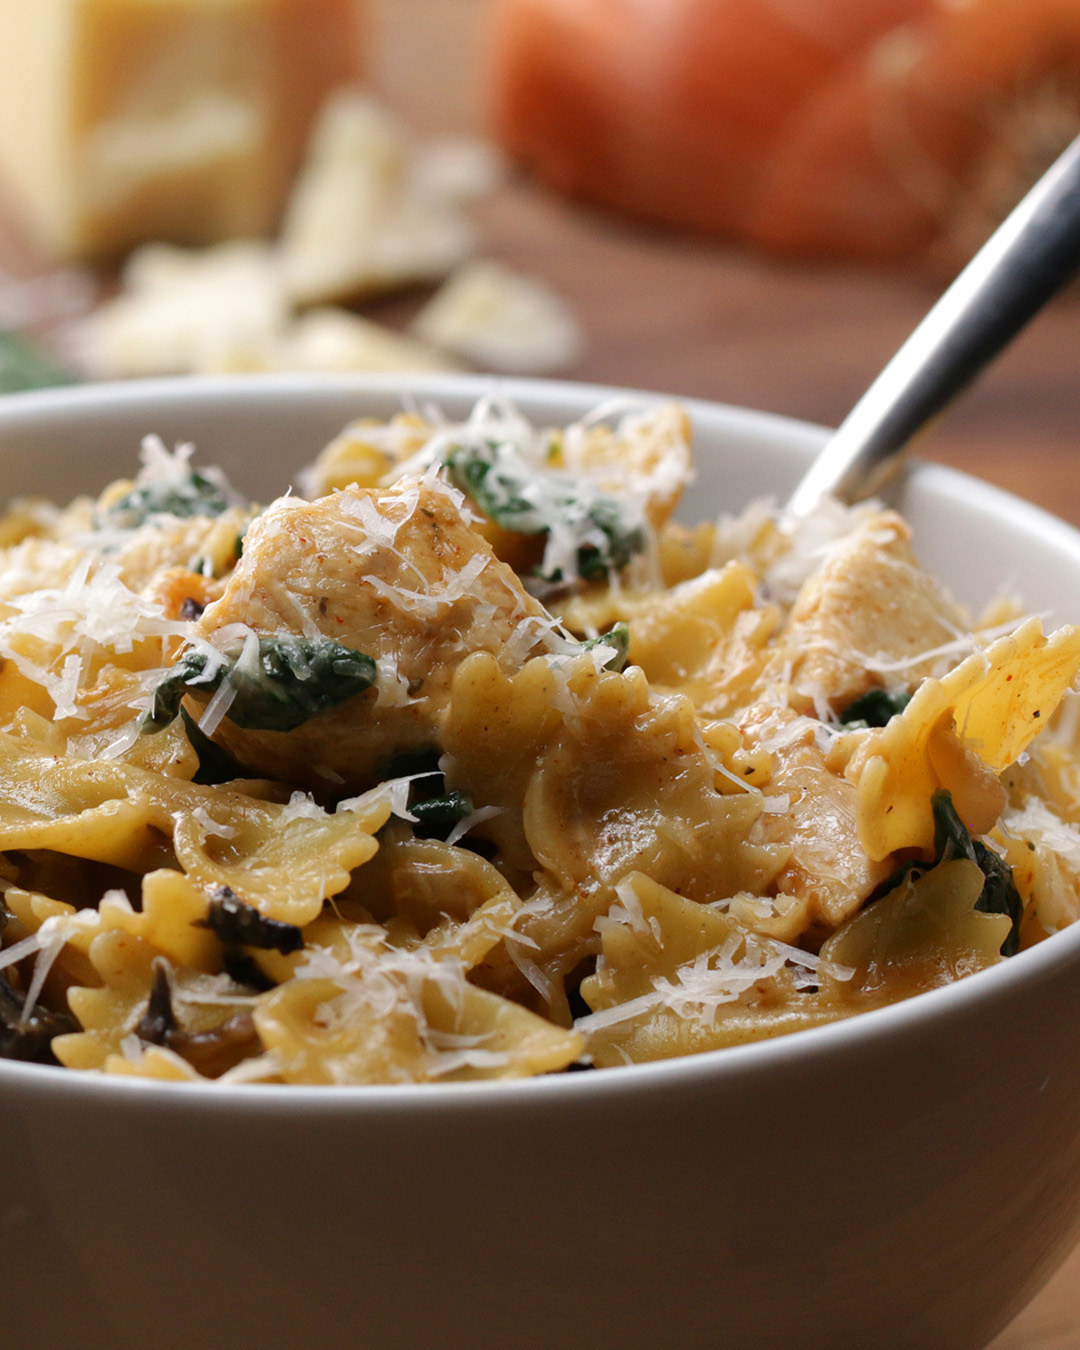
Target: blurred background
746	200
753	201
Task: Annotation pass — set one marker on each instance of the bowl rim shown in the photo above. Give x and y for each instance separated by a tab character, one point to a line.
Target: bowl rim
867	1030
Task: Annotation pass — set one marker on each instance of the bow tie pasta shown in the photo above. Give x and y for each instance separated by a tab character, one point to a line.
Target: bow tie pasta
473	762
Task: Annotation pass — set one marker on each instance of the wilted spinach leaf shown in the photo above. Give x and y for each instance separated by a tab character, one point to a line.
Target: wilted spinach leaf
238	924
30	1038
216	765
214	1050
874	708
196	494
952	840
158	1022
436	810
618	636
437	816
290	680
542	503
999	894
24	366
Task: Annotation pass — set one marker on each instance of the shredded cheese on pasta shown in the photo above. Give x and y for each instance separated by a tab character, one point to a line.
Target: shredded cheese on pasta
474	762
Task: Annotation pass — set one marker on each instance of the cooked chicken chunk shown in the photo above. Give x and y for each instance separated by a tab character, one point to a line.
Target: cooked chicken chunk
867	617
397	574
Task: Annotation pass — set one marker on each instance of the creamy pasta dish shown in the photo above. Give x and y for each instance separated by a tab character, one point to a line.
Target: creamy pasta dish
467	760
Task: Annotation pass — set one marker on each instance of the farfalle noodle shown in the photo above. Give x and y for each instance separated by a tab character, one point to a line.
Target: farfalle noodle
475	763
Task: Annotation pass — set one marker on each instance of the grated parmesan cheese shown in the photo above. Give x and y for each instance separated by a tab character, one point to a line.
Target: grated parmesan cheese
464	929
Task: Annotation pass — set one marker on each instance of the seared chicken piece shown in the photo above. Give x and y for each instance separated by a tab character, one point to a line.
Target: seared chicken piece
397	574
866	617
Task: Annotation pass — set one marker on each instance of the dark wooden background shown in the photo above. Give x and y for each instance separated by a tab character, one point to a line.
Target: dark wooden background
697	319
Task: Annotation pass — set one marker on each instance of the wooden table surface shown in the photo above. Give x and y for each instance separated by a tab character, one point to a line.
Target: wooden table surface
693	318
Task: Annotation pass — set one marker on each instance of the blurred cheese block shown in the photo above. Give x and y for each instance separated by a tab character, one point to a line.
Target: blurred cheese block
372	211
223	310
180	120
181	311
499	320
337	340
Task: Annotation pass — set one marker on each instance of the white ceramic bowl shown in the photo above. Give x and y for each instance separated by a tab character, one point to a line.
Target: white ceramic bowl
908	1178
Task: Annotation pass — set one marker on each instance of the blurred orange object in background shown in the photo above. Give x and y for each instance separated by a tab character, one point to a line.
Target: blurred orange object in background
876	130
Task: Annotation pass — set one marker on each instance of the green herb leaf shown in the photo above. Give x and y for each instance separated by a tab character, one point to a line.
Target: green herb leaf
618	636
24	366
158	1021
169	691
196	495
216	765
238	924
874	708
29	1038
537	504
500	496
436	810
244	970
952	840
623	542
290	680
296	678
437	816
999	894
